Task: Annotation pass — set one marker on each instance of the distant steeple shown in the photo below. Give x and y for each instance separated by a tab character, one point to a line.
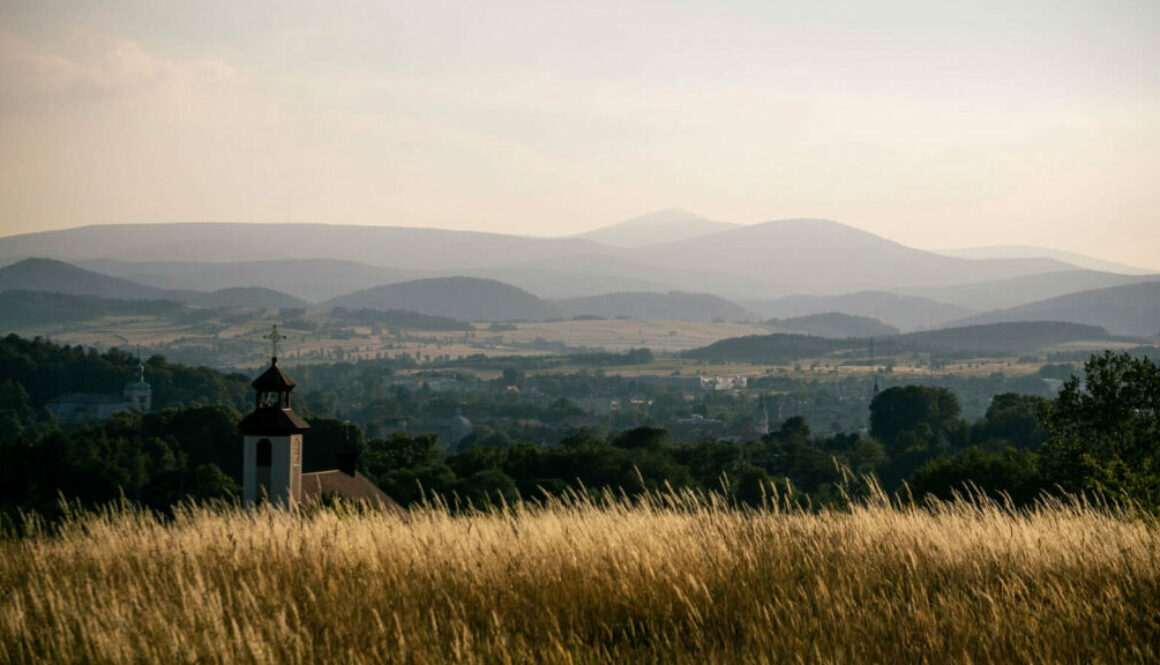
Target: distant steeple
139	393
761	419
874	388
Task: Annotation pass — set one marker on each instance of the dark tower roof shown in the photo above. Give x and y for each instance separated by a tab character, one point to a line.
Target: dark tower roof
272	421
273	417
273	380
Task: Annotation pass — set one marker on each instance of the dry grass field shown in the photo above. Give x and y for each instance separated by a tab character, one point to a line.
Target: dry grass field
683	579
624	334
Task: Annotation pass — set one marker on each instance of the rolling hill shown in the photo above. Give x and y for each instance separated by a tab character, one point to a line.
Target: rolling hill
1132	309
50	276
1001	338
1021	337
1027	252
463	298
34	308
247	297
657	227
902	312
824	257
835	325
752	262
397	247
775	349
53	276
1015	291
312	280
672	306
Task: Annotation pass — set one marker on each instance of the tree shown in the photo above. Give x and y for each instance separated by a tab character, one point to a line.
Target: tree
912	417
402	451
1104	429
1012	420
648	438
1010	471
325	439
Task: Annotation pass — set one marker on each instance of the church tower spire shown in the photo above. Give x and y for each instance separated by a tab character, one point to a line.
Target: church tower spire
761	418
139	393
272	438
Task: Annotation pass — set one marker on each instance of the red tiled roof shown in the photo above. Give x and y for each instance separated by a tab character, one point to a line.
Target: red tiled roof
319	484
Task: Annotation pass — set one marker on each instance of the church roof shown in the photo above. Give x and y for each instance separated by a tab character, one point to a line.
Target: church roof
273	380
273	421
320	484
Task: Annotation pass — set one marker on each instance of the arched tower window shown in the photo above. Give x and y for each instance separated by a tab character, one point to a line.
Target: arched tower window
265	453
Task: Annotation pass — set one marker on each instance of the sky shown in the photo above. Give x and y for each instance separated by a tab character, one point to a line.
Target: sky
934	124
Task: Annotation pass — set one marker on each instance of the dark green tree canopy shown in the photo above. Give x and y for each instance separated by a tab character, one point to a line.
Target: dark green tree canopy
1104	429
905	416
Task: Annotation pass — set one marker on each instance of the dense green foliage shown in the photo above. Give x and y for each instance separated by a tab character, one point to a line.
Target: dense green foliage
1099	434
776	349
155	460
27	308
1104	431
42	371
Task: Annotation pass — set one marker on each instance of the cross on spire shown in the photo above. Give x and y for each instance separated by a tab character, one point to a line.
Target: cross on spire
274	338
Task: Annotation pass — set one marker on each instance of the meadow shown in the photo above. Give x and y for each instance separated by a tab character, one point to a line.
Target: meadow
682	578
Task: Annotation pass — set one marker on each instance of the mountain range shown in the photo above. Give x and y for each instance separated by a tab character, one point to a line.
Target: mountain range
835	325
772	259
1131	309
51	276
466	298
1008	338
671	265
1015	291
657	227
1028	252
900	311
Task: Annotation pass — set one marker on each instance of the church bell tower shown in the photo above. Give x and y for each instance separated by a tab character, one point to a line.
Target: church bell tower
272	439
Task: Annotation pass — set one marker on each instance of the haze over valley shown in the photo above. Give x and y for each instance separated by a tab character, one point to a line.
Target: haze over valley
616	331
798	276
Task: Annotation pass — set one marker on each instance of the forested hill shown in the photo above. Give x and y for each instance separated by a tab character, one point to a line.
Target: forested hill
775	349
464	298
672	306
1013	337
59	277
1004	338
19	309
1132	309
34	372
835	324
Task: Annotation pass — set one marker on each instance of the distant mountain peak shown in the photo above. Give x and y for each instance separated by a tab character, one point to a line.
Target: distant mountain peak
657	227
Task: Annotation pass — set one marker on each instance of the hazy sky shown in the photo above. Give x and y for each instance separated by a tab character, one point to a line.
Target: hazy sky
937	124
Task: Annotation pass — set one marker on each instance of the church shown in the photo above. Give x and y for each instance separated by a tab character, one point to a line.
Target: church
84	407
272	439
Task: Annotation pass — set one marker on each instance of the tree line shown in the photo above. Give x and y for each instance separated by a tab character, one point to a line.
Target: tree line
1101	433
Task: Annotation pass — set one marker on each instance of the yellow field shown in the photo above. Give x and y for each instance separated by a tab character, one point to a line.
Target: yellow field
612	334
672	579
625	334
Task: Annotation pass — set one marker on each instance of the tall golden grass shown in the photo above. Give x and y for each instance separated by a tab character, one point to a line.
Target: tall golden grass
667	578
